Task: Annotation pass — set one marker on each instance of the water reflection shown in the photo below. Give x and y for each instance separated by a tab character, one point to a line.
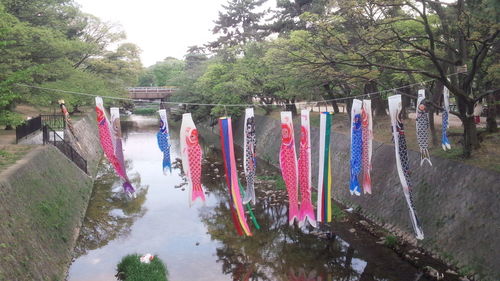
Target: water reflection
110	212
201	243
281	252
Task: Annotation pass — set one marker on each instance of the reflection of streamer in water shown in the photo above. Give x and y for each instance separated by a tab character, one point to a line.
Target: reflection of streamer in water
243	272
302	276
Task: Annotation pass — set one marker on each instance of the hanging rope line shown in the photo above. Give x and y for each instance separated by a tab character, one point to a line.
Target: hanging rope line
236	104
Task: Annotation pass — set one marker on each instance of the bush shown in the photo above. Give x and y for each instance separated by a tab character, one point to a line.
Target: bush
130	268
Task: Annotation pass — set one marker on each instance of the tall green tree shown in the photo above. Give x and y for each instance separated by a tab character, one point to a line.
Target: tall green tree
239	23
52	43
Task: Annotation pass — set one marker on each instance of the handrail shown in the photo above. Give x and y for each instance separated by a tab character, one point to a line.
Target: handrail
28	127
51	136
55	121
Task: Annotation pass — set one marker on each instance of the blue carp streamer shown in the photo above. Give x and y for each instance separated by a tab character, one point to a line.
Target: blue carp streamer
356	150
163	141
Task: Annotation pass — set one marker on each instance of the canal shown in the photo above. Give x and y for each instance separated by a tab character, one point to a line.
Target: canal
200	243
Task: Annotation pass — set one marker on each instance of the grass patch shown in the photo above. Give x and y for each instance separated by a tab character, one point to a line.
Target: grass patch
337	212
53	214
280	183
390	241
145	111
130	268
9	154
278	180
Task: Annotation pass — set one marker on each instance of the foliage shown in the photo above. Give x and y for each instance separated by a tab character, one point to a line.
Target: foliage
53	44
238	24
390	241
164	73
337	212
336	49
145	111
130	268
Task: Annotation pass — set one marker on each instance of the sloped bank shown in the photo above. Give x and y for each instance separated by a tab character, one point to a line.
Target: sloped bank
457	203
43	199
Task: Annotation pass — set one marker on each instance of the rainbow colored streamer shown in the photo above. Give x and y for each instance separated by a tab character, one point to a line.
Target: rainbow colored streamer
226	140
324	208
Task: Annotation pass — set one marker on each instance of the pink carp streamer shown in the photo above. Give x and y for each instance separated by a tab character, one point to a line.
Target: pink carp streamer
367	136
105	138
302	275
402	161
306	208
191	158
288	165
226	139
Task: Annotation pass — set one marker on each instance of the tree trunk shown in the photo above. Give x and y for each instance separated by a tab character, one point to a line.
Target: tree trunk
335	107
268	109
378	104
470	136
290	106
348	105
406	101
436	94
470	140
331	95
491	119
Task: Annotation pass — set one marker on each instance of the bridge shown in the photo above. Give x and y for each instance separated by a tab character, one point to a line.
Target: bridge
151	93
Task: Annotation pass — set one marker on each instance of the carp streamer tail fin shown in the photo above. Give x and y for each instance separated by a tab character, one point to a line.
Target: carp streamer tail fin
307	214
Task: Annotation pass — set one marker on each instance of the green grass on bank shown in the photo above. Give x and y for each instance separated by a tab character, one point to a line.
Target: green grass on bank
145	111
9	154
130	268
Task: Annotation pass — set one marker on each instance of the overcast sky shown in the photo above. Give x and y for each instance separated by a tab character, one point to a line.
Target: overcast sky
161	28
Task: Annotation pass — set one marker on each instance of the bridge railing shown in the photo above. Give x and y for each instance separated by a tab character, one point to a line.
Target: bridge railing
151	89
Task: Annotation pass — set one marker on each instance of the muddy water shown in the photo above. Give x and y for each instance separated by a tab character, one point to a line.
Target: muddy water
200	243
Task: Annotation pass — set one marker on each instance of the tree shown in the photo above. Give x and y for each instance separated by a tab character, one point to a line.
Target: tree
443	36
96	36
414	37
287	17
238	24
52	43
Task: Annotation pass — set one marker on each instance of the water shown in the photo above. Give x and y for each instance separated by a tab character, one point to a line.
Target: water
200	243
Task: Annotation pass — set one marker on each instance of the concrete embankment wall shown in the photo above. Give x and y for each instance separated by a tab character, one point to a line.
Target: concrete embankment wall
86	141
43	199
456	203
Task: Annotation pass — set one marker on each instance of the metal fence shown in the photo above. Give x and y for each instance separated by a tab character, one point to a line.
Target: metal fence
55	121
51	136
28	127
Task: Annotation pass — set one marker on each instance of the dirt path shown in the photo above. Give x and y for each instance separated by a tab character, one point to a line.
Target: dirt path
7	137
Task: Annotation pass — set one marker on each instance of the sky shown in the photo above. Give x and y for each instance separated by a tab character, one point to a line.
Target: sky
161	28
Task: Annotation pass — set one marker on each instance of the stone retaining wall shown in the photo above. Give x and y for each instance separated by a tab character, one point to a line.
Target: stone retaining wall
457	203
43	200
